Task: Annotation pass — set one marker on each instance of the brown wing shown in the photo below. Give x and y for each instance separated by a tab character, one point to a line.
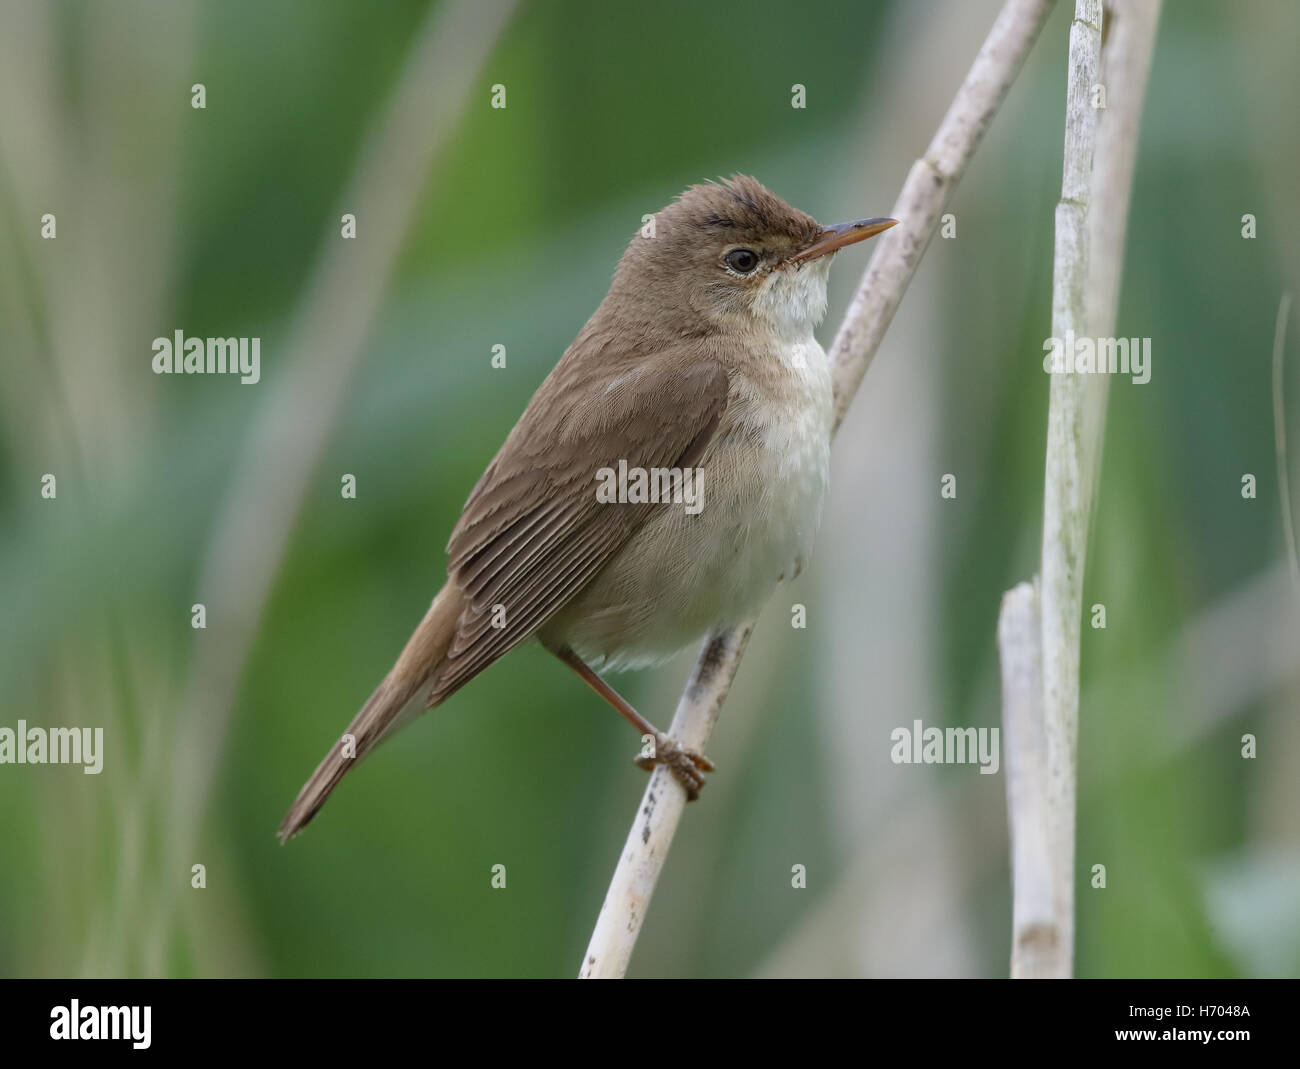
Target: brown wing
532	533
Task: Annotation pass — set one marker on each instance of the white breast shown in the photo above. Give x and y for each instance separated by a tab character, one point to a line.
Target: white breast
785	489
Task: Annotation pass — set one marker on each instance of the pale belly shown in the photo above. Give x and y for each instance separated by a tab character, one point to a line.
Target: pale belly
680	575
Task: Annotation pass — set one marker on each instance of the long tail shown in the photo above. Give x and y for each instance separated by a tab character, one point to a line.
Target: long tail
388	708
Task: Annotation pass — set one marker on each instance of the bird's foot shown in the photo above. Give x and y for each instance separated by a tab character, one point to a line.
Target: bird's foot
687	765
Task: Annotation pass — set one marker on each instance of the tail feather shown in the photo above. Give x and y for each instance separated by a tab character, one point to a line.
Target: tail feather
391	706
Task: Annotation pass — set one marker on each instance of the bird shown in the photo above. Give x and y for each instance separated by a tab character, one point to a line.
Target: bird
700	361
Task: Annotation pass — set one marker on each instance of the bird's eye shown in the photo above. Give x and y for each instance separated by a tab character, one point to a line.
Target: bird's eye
742	261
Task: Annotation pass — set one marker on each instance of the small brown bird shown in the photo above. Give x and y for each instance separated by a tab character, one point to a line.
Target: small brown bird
700	361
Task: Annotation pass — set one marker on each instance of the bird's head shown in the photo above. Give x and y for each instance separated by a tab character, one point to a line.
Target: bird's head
733	253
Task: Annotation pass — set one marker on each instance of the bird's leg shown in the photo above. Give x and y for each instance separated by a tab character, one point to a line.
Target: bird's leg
687	765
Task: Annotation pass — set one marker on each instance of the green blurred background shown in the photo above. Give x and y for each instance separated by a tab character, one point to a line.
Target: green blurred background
179	490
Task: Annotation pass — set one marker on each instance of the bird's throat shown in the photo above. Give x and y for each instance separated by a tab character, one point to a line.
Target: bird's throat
791	301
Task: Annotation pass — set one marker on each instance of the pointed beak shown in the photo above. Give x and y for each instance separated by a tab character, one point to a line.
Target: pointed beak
833	238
